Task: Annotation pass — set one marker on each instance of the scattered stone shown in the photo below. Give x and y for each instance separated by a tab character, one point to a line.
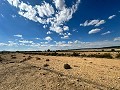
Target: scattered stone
12	62
78	80
91	62
37	58
67	66
76	66
58	84
111	68
47	60
118	77
39	68
45	65
43	73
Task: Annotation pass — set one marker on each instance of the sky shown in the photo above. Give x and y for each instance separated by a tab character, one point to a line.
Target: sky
58	24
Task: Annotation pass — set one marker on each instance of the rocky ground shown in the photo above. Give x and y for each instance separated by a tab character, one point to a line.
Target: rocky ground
35	72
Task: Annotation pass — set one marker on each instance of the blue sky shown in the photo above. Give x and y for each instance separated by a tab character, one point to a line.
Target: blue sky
59	24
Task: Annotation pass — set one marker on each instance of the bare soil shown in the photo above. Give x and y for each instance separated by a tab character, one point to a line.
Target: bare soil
28	72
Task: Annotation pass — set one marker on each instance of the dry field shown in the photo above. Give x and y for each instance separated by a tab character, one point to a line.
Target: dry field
37	72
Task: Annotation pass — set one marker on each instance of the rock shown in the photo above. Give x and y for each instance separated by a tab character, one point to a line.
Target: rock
67	66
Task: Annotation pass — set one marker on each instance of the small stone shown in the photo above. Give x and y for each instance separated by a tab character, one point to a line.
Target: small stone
118	77
78	80
91	62
47	60
58	84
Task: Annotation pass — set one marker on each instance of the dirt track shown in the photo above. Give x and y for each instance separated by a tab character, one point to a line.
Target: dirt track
31	74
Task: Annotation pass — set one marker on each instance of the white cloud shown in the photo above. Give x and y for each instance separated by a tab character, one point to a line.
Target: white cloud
93	23
2	15
25	41
37	38
44	26
48	38
94	31
14	16
108	32
65	37
117	39
18	35
45	9
100	22
69	34
3	44
49	32
46	14
111	17
14	2
60	4
65	28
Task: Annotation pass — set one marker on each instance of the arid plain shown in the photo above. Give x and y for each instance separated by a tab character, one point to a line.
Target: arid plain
20	71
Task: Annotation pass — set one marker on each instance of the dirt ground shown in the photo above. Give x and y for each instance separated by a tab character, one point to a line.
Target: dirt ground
34	72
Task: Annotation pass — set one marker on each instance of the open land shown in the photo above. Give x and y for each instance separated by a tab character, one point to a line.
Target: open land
21	71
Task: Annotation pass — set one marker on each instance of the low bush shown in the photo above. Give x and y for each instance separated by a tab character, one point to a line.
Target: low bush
75	54
45	65
118	55
105	55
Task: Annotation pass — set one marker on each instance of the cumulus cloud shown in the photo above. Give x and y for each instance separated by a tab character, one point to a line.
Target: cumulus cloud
94	31
93	23
111	17
46	14
108	32
48	38
117	39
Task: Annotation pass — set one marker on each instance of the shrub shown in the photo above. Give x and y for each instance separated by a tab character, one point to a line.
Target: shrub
67	66
29	57
105	55
1	59
75	54
13	57
118	55
112	50
54	54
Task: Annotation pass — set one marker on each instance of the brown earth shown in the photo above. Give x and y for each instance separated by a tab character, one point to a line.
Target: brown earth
34	72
